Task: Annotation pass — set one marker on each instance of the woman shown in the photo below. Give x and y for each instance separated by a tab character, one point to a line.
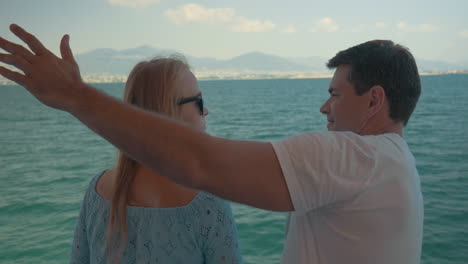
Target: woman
132	215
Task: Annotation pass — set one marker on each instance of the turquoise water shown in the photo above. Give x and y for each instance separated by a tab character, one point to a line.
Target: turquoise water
47	159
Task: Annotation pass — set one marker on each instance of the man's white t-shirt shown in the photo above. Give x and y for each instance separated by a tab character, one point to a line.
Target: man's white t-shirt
357	199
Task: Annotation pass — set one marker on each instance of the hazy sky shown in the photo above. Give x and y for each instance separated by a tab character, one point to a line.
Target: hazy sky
434	30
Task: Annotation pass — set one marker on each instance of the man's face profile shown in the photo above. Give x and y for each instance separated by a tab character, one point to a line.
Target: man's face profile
345	110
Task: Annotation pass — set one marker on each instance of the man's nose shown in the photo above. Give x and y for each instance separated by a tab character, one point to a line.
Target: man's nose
324	109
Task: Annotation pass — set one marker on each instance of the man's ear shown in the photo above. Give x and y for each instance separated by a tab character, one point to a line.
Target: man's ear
377	99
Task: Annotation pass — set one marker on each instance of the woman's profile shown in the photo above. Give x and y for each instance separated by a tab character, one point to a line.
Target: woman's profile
130	214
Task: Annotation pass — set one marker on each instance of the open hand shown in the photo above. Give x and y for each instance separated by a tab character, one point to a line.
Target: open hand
55	81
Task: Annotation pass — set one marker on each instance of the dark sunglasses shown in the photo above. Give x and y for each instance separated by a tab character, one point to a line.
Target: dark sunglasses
197	99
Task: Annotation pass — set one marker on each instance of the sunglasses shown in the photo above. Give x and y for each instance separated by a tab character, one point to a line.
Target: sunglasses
197	99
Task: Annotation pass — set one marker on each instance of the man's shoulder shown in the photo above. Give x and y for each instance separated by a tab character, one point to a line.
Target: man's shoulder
377	139
325	137
333	142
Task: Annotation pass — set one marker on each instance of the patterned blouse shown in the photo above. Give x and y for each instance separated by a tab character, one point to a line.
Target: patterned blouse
202	231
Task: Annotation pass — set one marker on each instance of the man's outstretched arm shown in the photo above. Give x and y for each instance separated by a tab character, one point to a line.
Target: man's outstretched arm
242	171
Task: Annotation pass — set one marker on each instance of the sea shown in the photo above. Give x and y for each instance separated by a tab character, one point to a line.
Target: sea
47	158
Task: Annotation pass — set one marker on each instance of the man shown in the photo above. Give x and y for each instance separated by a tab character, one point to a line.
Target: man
353	192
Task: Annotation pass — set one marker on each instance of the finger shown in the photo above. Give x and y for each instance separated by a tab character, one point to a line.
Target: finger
34	44
17	61
15	77
65	49
15	49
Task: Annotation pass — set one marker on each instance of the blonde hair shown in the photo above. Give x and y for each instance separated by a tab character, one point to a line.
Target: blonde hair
151	85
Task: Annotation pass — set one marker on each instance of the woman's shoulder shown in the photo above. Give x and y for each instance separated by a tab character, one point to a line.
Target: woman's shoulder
212	208
101	184
210	200
93	188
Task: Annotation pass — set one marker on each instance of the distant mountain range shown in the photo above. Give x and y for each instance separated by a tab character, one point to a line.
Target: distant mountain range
109	65
120	62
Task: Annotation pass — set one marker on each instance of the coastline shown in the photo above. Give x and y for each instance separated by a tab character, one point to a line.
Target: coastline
202	76
444	73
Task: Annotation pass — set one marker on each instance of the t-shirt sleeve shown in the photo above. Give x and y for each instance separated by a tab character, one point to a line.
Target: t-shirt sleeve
80	248
222	245
323	168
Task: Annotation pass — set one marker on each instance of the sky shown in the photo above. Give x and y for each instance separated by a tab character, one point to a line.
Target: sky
432	30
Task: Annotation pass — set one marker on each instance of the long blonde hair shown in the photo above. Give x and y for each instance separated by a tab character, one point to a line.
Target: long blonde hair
151	85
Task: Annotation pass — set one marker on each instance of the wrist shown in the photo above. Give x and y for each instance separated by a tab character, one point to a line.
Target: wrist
82	98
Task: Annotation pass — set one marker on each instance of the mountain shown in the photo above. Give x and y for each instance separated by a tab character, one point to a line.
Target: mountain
111	61
314	62
109	65
120	62
261	62
116	62
204	63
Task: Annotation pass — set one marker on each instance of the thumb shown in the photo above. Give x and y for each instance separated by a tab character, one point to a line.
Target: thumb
65	50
